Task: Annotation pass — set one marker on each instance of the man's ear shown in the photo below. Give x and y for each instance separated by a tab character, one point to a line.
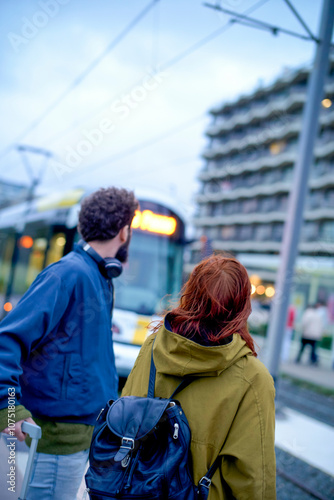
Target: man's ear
124	233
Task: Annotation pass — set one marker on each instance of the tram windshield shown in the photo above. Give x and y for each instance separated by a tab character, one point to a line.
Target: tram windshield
151	277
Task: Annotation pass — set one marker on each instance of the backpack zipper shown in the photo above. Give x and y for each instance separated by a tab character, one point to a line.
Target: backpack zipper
114	495
176	431
99	415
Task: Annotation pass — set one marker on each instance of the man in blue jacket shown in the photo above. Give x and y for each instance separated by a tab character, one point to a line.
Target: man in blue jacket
56	353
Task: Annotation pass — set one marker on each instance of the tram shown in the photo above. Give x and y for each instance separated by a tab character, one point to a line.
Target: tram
45	229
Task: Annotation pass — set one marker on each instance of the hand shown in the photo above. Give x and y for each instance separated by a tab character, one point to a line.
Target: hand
16	430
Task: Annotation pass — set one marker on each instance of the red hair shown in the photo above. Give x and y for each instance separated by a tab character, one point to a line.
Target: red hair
215	302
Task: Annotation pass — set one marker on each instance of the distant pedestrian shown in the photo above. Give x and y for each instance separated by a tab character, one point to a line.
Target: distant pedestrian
312	330
290	323
230	404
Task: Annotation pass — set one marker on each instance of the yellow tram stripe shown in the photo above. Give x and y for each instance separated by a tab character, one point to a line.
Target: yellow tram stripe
141	329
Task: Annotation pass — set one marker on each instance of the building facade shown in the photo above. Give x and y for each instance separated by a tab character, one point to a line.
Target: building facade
248	174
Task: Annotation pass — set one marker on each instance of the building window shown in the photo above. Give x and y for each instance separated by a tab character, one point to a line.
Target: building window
327	231
310	231
267	204
212	232
263	232
195	256
277	231
237	182
271	176
217	209
228	232
211	165
329	198
322	167
315	199
277	147
282	202
249	206
232	207
245	232
226	186
287	174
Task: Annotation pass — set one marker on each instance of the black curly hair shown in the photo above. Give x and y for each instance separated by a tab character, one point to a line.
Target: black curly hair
105	212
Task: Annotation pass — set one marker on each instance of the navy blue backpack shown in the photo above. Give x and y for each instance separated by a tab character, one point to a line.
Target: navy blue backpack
141	450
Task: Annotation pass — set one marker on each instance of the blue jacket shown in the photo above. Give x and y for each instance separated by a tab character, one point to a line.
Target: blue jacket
56	345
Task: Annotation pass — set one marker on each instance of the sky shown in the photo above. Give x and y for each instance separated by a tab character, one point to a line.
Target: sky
138	116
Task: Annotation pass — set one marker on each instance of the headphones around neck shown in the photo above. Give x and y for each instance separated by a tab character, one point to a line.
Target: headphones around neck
109	267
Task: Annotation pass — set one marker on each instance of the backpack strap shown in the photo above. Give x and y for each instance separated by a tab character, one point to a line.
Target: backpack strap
186	381
151	383
205	481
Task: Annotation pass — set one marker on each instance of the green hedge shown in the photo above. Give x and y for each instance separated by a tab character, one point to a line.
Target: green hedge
326	343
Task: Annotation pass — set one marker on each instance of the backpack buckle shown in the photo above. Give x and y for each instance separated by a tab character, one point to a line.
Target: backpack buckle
205	482
128	443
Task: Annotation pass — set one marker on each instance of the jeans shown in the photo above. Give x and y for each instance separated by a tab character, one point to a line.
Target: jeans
57	477
313	344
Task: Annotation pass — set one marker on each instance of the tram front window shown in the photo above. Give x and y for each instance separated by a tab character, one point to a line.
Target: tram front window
152	273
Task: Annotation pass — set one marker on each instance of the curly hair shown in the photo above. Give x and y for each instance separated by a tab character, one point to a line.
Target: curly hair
105	212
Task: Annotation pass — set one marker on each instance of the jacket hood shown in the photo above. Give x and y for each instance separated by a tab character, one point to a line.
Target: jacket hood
179	356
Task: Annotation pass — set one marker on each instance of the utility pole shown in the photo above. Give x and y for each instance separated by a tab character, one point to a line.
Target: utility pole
299	190
34	182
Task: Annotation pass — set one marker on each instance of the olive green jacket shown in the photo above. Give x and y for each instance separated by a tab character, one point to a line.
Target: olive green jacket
230	410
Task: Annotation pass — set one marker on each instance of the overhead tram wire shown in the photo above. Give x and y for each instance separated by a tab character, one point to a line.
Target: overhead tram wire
301	20
209	37
79	79
256	23
167	65
143	145
155	36
154	58
167	166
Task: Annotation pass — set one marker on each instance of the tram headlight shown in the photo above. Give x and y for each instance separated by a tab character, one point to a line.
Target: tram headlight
26	241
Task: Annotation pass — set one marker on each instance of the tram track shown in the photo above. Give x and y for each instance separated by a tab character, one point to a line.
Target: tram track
300	483
296	479
306	401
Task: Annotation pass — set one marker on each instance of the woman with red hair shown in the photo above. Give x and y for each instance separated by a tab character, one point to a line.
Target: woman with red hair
230	405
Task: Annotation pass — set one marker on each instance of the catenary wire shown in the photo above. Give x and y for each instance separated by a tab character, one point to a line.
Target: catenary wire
172	61
300	19
169	165
256	23
168	64
156	36
143	145
79	79
163	67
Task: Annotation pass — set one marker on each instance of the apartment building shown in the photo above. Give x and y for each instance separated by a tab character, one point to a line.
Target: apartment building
248	174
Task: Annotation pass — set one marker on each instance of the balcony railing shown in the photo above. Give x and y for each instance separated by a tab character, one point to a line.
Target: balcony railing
281	105
250	218
246	192
287	157
322	150
316	247
259	217
276	133
326	180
